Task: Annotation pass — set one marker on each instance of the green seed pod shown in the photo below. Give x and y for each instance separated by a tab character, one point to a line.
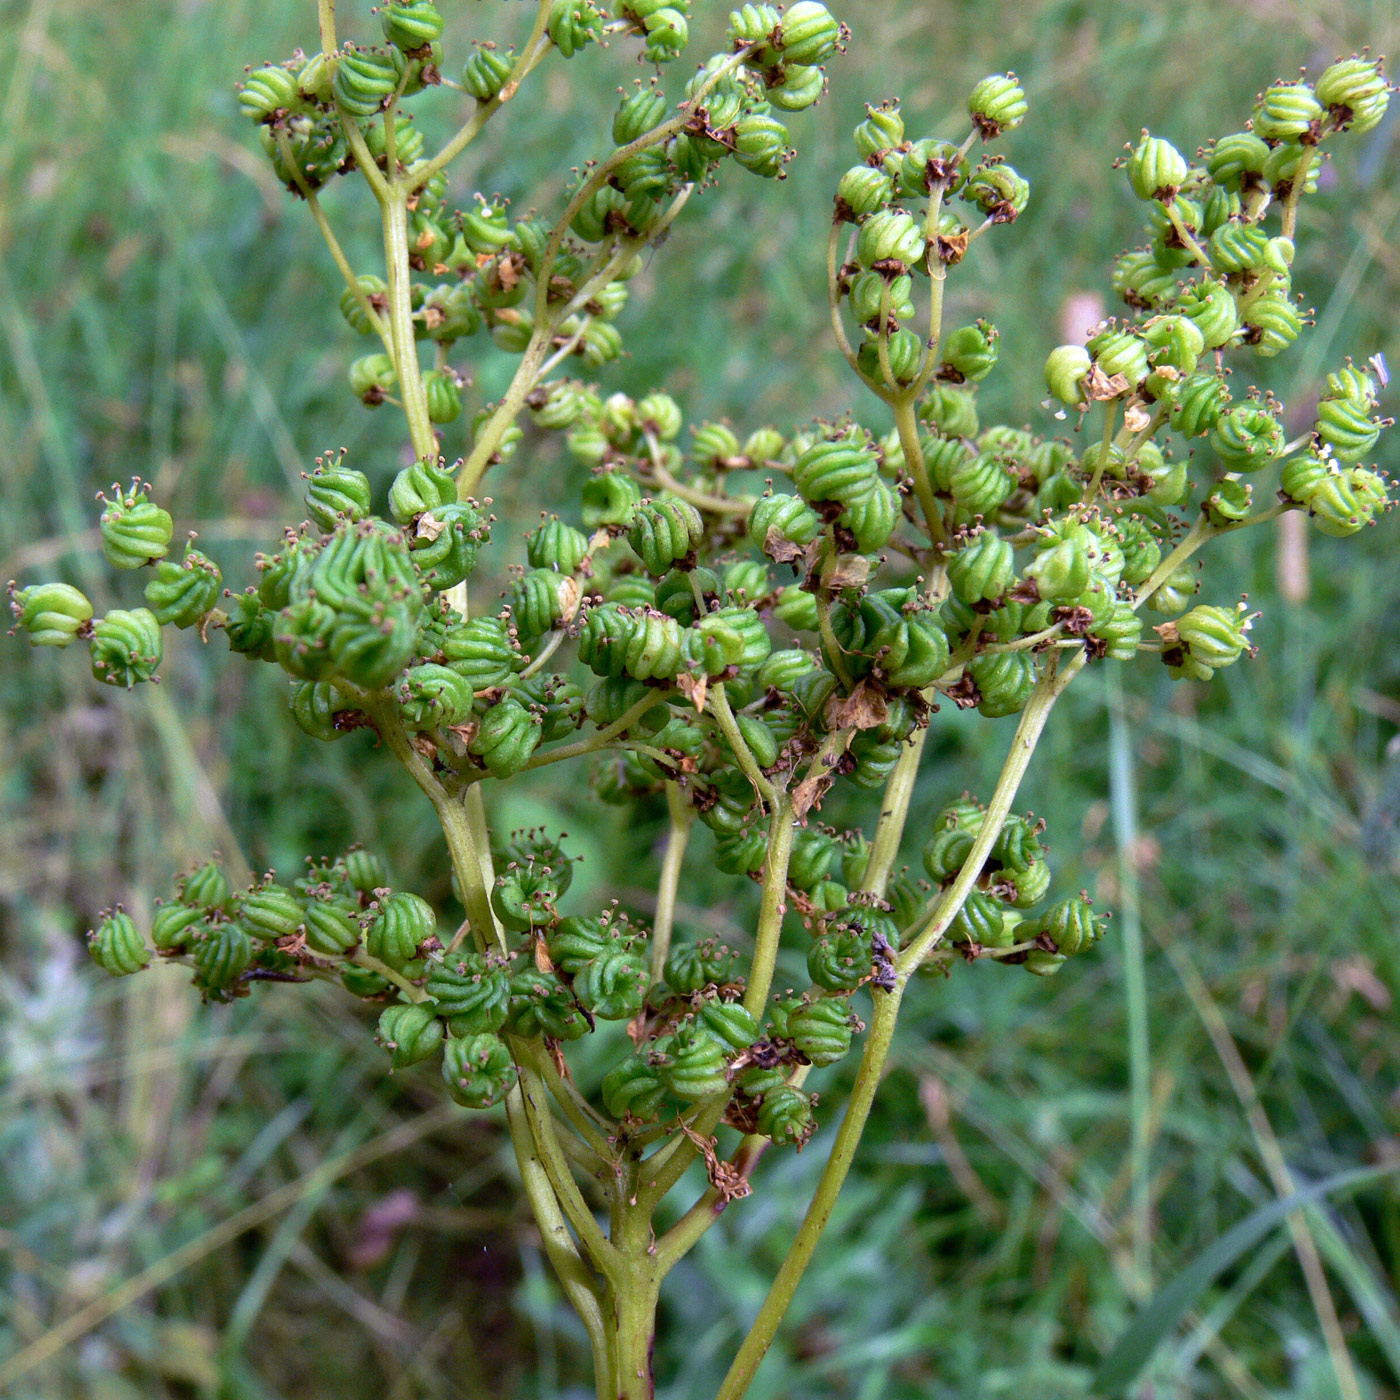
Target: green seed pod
423	486
411	24
468	990
365	870
633	1089
1156	169
1176	342
890	238
1237	161
507	736
269	94
999	191
116	946
970	352
609	498
666	533
221	955
525	896
541	1004
761	741
929	165
576	941
1236	248
778	518
667	34
361	982
314	706
761	144
797	609
807	35
980	485
183	593
640	111
746	581
1283	168
574	24
1018	845
1271	324
555	545
812	853
1219	207
480	651
400	925
173	925
371	377
135	531
477	1069
268	912
802	88
692	967
840	960
951	410
1302	476
409	1033
485	228
206	887
1004	681
1337	508
1175	592
1041	963
741	852
363	80
1211	638
691	1063
1211	307
997	104
1065	371
820	1030
982	921
486	72
782	670
1355	93
740	633
444	395
1071	925
537	601
1120	352
873	521
1199	402
785	1116
871	293
1118	633
1228	503
1031	885
1247	437
330	929
433	697
882	129
863	190
1357	386
1347	428
445	541
729	1022
125	647
53	614
982	570
1286	111
946	851
337	492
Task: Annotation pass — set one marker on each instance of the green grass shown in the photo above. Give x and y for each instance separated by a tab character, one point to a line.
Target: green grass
163	310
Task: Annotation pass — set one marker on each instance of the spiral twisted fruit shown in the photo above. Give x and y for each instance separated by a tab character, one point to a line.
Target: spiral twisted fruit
477	1069
126	647
135	531
53	614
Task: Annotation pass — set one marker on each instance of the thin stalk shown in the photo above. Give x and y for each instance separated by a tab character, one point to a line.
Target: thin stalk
603	737
530	57
326	16
682	818
1123	797
1295	191
376	322
771	908
784	1287
1105	447
718	703
1184	233
405	351
894	812
944	906
906	423
833	296
1194	538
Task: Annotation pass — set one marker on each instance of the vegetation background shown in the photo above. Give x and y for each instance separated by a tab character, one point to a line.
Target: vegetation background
1045	1153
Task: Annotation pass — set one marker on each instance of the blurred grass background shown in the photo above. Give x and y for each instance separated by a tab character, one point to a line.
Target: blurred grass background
233	1200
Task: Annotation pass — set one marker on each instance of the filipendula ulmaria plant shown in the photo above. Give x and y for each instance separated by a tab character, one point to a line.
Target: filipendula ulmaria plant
728	626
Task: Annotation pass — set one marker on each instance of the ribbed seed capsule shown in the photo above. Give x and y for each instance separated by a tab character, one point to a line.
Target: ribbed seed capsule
1347	428
821	1030
53	614
890	237
267	911
363	80
980	485
1004	682
409	1033
125	647
982	921
267	92
541	1004
1210	637
401	924
477	1069
331	928
117	947
472	993
181	594
665	533
1156	169
1247	437
785	1116
221	955
1211	307
691	1063
1355	93
1286	112
480	651
506	738
1071	925
997	104
573	24
1198	404
135	531
634	1089
410	24
613	985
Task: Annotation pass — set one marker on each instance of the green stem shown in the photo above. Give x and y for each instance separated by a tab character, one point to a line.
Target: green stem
682	818
784	1287
326	16
945	905
894	812
405	347
907	425
1105	447
718	703
530	57
1295	191
771	909
833	296
603	737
